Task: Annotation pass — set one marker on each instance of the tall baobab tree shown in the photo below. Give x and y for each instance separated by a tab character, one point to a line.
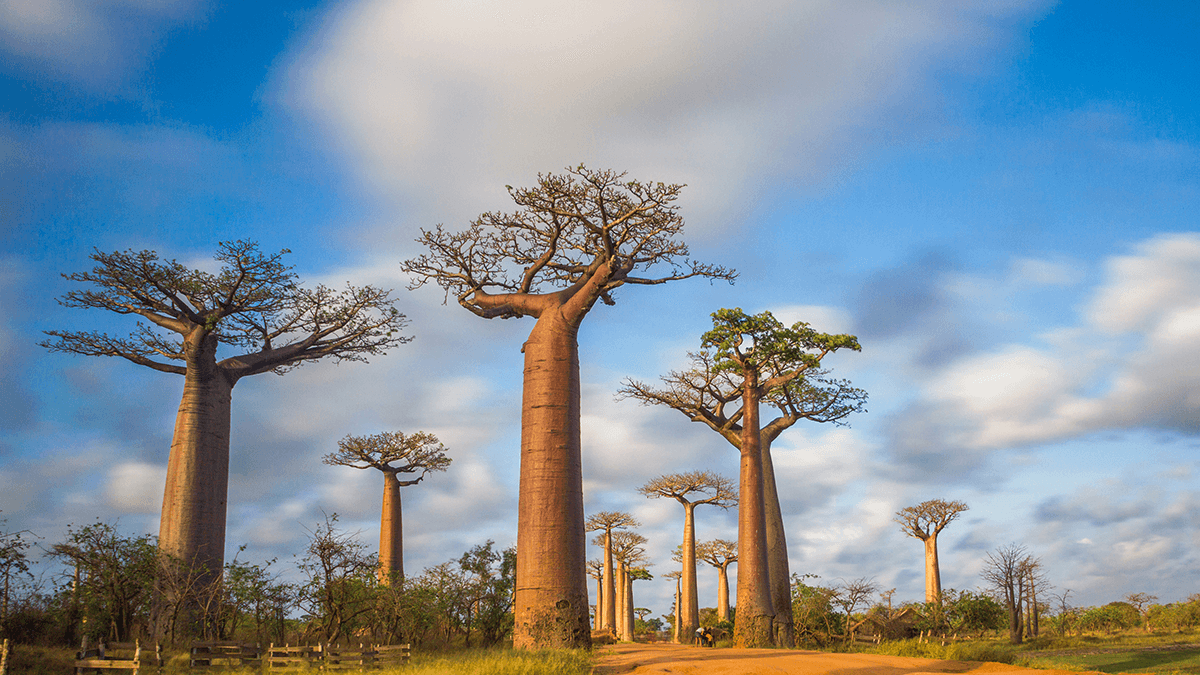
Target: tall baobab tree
576	238
691	489
780	366
255	305
606	522
392	453
925	521
720	553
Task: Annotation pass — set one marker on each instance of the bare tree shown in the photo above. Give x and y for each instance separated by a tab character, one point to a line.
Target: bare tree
1007	570
720	553
710	488
925	521
576	238
253	303
606	522
392	453
852	594
595	570
755	359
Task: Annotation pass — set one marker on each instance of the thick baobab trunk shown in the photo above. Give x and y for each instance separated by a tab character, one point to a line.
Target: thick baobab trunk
752	627
610	586
391	532
777	554
192	528
550	600
933	574
723	592
690	611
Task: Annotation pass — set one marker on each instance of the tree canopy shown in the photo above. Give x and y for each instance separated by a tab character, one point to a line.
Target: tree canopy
392	452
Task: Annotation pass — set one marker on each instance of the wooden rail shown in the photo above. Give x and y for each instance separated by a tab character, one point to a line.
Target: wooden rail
117	656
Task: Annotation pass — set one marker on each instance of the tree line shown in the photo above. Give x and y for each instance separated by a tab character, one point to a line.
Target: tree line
103	583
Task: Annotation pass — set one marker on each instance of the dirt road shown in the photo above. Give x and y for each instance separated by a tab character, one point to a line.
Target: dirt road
668	658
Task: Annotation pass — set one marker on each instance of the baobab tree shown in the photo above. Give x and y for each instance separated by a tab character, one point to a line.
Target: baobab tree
720	553
595	570
253	304
606	522
677	575
780	366
576	238
392	453
925	521
628	553
691	489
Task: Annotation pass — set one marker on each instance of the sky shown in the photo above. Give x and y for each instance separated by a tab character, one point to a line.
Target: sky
998	198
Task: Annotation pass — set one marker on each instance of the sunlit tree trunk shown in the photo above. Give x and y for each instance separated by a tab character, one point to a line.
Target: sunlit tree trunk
550	601
723	592
610	585
933	574
777	554
622	601
690	610
678	616
752	626
192	528
629	607
391	532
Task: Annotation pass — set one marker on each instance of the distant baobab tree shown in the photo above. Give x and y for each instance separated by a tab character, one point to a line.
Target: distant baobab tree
757	359
925	521
720	553
677	575
628	553
691	489
606	522
253	303
576	238
393	453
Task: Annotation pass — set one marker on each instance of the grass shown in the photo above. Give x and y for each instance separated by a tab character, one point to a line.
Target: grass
1132	652
28	660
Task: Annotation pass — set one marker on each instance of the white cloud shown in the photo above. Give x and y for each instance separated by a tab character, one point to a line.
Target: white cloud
94	43
429	94
136	487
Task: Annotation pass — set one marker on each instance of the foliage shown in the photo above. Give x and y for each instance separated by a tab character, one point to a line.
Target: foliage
392	452
114	578
814	615
957	651
338	590
1110	618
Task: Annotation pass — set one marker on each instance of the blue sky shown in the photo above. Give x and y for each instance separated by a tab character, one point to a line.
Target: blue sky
999	199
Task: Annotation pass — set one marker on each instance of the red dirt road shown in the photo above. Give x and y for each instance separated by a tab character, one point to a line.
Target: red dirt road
643	659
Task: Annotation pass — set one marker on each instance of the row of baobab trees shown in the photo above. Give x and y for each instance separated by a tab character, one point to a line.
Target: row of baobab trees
574	240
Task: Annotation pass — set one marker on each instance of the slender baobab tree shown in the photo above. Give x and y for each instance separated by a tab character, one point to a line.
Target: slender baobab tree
753	359
595	570
720	553
677	575
606	522
576	238
254	305
925	521
691	489
628	553
392	453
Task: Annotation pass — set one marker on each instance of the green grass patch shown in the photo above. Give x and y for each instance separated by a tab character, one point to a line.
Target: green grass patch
1184	661
976	650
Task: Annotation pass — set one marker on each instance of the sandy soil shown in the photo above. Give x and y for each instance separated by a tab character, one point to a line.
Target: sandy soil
668	658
